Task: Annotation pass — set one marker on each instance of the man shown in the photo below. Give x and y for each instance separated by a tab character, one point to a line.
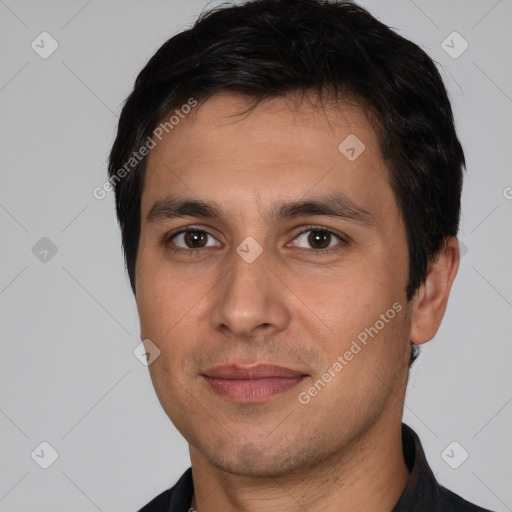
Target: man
288	179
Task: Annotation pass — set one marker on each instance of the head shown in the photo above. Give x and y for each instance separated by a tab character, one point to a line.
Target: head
311	153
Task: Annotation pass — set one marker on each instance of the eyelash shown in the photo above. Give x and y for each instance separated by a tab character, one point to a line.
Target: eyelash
317	252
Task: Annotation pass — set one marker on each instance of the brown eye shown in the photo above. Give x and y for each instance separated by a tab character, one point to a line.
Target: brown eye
319	239
191	239
195	239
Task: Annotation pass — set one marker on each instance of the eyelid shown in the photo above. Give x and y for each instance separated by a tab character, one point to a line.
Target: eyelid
344	239
169	236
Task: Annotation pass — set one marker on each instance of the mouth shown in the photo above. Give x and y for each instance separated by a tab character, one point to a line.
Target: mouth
251	384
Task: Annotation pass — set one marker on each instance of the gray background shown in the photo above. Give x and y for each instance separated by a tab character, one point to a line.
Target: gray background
69	323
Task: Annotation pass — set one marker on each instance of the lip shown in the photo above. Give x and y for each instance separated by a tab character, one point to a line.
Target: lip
251	384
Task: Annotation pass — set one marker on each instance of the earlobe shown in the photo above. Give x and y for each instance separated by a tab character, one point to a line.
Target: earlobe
430	300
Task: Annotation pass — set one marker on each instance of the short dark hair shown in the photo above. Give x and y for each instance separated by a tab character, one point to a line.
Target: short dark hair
272	48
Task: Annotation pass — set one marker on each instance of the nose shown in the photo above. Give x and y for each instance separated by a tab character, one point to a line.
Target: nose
250	299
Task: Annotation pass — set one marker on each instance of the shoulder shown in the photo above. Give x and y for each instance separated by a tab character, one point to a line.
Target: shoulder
174	499
160	503
452	502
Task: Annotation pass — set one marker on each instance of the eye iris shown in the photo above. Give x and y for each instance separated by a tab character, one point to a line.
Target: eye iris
195	238
319	239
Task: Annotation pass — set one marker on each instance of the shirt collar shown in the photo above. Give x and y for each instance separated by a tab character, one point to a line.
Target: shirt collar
422	490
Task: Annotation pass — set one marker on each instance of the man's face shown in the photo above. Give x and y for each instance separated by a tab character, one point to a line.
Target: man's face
322	288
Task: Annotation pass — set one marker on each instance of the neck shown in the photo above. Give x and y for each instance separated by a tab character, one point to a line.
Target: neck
369	475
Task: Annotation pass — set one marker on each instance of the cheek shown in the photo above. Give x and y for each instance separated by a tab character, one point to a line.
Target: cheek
351	305
172	307
347	299
163	310
157	293
152	299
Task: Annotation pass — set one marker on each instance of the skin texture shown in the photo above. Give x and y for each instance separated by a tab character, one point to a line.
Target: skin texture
290	307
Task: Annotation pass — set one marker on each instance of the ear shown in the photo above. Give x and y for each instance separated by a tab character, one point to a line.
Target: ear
430	300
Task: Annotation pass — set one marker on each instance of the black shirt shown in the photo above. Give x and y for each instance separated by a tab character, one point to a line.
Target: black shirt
422	493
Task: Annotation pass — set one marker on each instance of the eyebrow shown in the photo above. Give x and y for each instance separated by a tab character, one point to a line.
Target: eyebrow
337	205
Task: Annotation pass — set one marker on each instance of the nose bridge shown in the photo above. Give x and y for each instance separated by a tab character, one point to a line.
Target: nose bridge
247	298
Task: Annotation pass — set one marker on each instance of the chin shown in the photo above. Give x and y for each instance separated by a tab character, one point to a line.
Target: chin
249	460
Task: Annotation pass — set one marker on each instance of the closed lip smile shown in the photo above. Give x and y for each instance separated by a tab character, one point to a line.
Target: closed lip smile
254	384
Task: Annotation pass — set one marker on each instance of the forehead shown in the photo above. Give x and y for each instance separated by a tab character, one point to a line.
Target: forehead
218	125
286	147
